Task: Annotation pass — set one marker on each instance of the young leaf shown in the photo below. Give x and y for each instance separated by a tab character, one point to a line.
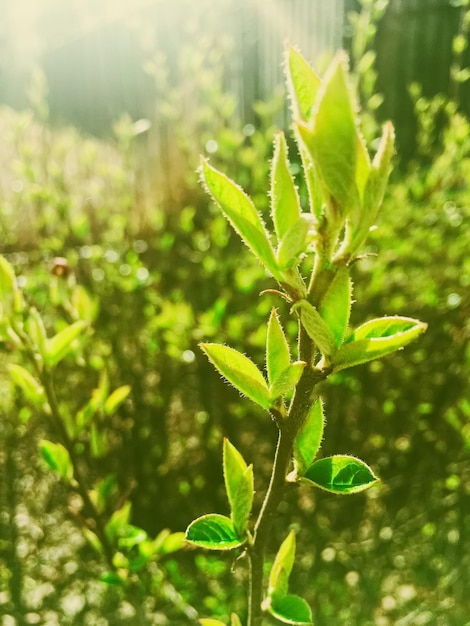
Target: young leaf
116	398
293	244
240	371
302	82
58	459
118	522
239	486
282	567
308	439
316	328
213	532
235	620
112	579
341	474
277	348
93	540
31	387
37	333
381	168
291	609
287	380
335	307
241	213
8	291
285	203
172	543
210	622
60	345
374	189
332	138
376	339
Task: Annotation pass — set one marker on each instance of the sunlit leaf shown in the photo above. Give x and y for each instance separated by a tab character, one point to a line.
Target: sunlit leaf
302	82
285	203
308	439
172	543
57	458
335	307
277	348
282	567
287	380
293	244
341	475
116	398
213	532
291	609
118	522
381	168
376	339
240	371
60	345
332	137
9	295
241	213
239	486
31	387
34	327
315	326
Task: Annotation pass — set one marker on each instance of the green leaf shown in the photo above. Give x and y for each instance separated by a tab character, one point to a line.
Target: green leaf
374	189
85	306
287	380
172	543
93	540
277	348
376	339
239	486
308	440
116	398
112	579
285	203
291	609
213	532
235	620
37	333
241	213
293	244
60	345
57	458
335	307
282	567
118	522
31	387
302	82
381	168
240	371
341	474
9	295
332	138
316	328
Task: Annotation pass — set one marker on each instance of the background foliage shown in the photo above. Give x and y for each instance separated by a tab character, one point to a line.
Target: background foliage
163	272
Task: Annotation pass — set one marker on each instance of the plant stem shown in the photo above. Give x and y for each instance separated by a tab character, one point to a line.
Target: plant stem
300	406
302	401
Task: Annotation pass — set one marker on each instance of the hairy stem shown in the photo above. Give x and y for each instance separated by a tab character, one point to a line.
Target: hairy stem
300	406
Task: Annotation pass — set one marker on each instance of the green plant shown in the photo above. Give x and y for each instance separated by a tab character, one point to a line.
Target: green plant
78	438
345	190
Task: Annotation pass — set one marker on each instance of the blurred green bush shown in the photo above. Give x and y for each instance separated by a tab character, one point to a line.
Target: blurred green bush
158	263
